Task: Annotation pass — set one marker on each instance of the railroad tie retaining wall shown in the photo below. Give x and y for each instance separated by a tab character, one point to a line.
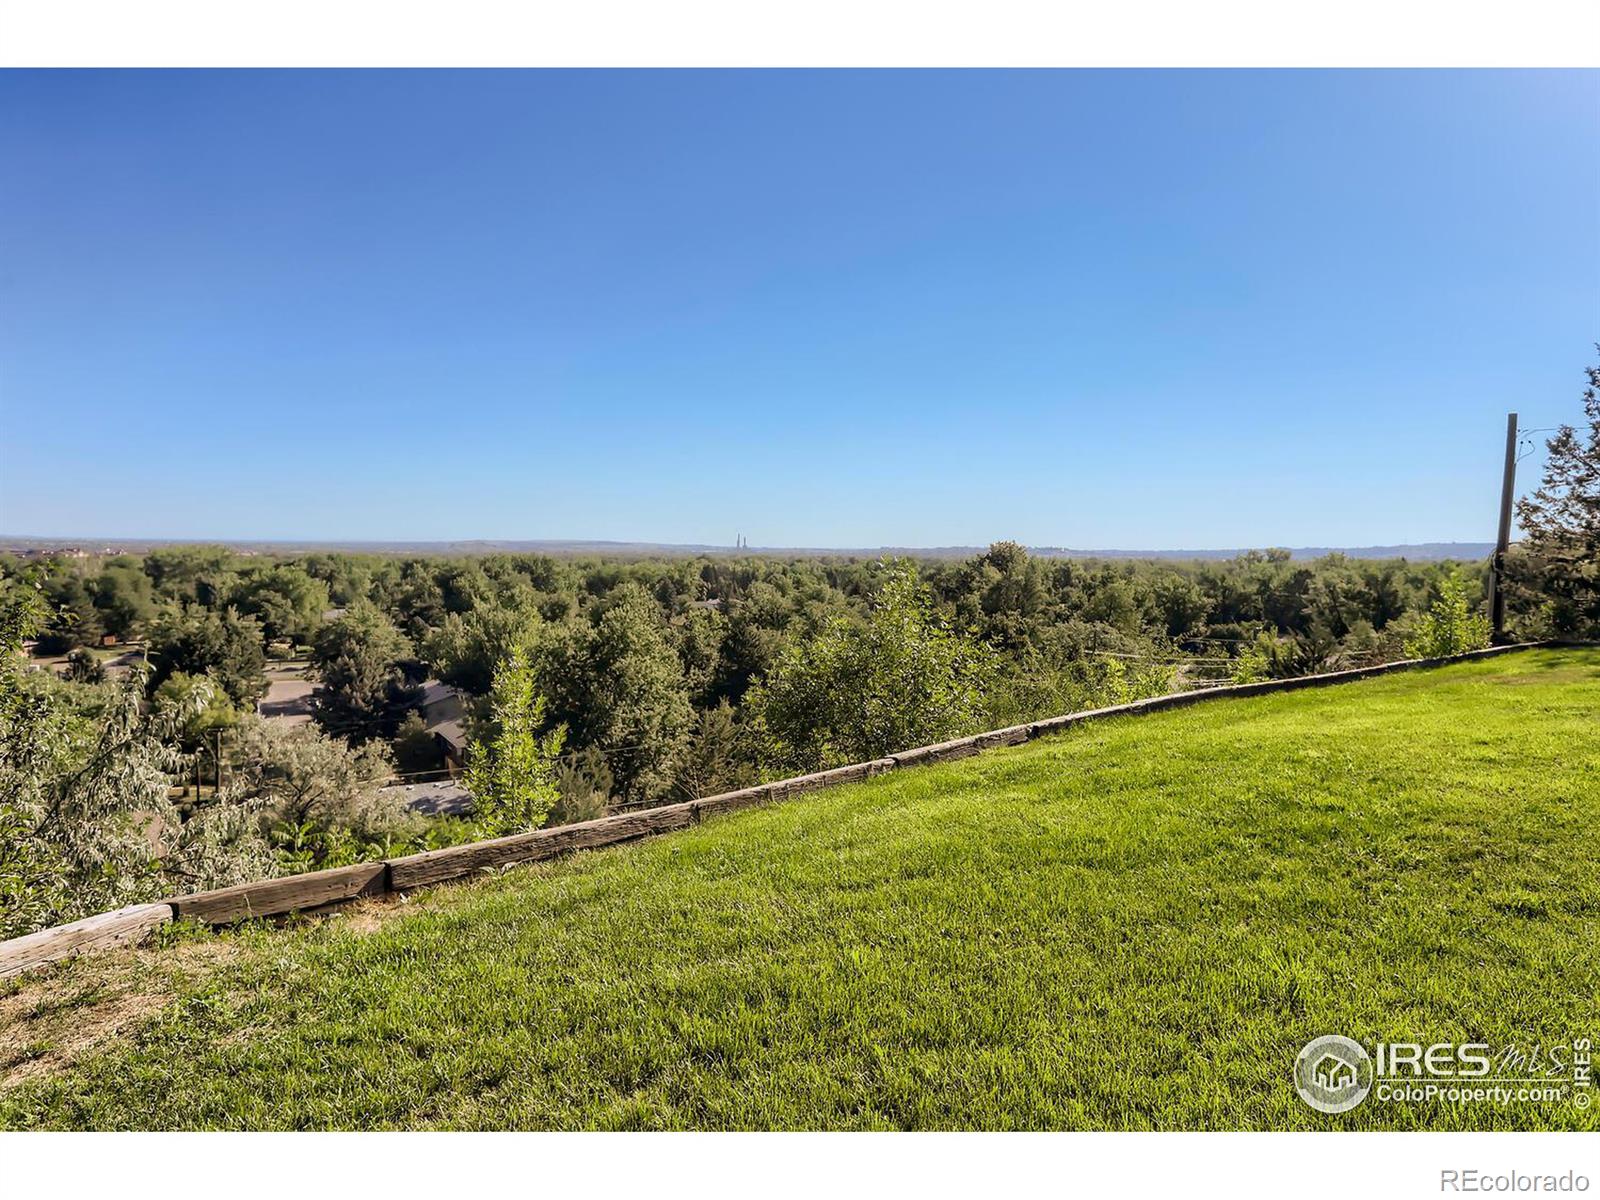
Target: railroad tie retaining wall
322	889
99	932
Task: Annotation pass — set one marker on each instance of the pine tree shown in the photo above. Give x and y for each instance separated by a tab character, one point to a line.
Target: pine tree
1561	525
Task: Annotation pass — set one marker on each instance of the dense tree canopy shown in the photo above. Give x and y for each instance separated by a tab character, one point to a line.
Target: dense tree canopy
679	676
287	601
124	595
629	682
224	647
616	682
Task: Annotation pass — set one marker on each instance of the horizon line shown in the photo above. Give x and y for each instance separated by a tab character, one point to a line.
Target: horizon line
9	542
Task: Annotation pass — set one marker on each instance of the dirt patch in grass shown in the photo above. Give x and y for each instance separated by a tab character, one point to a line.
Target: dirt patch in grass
50	1020
367	915
33	1047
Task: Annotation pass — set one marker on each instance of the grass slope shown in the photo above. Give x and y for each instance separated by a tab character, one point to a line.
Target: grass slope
1134	925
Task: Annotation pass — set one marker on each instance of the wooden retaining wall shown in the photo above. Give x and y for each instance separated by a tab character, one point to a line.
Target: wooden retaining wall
323	889
99	932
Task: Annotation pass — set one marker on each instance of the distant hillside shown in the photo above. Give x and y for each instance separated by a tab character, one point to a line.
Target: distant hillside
1417	551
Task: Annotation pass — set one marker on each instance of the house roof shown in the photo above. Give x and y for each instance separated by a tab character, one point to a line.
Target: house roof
436	691
453	732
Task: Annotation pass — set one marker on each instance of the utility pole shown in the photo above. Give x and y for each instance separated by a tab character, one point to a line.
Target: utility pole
1508	487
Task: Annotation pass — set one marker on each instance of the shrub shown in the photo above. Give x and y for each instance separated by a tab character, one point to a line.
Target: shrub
301	775
84	667
585	783
1272	656
1452	625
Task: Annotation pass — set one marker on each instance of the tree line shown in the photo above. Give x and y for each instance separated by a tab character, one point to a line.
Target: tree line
591	683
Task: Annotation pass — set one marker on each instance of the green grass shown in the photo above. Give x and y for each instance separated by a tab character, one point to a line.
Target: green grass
1134	925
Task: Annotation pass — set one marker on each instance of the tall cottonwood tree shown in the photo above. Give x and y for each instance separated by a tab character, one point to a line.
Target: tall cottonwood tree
287	601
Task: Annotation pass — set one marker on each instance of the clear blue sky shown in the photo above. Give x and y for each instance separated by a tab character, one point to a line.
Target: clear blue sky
1093	309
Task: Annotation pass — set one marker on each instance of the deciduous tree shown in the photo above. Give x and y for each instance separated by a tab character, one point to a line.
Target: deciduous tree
855	692
617	684
86	824
511	771
223	646
287	601
1451	625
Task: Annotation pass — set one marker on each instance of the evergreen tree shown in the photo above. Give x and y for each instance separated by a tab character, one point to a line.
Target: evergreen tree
1560	559
364	691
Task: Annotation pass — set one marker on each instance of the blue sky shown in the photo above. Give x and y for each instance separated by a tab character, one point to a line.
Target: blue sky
1093	309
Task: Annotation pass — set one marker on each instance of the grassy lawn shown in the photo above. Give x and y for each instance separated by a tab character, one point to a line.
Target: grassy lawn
1134	925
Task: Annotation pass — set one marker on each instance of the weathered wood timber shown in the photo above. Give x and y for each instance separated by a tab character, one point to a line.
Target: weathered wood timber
99	932
832	777
456	862
726	802
938	752
292	893
1011	735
